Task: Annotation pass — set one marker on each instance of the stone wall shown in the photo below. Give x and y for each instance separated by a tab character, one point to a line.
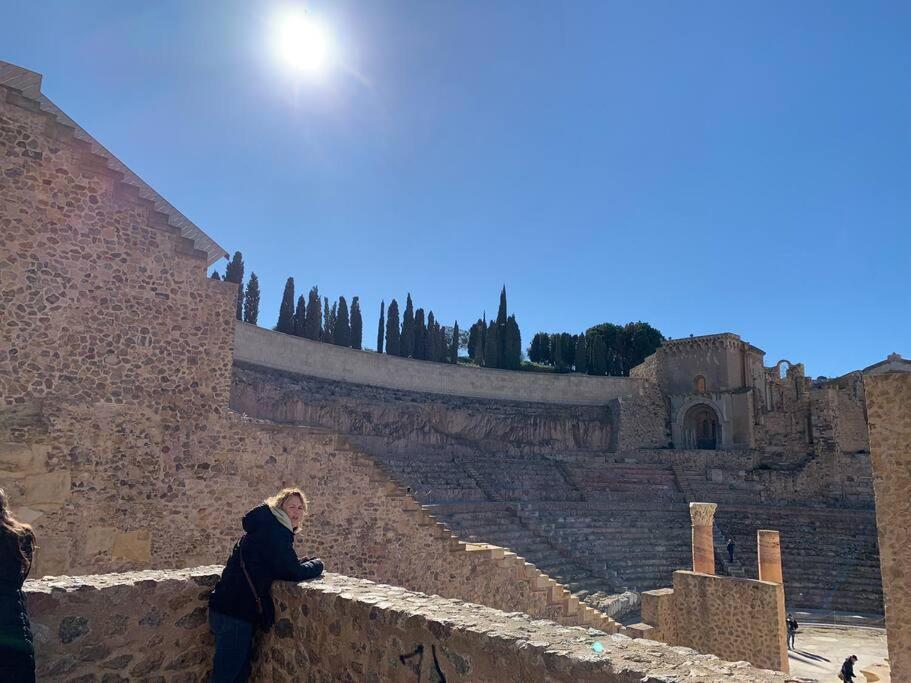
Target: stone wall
409	419
268	349
736	619
152	626
152	492
102	299
889	410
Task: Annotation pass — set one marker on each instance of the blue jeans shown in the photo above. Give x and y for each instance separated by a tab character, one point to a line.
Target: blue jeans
233	648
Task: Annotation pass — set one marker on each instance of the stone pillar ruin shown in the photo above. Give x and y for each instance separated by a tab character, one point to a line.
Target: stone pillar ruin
887	386
703	517
769	553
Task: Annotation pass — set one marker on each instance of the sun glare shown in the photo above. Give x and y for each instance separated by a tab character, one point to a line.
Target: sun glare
302	43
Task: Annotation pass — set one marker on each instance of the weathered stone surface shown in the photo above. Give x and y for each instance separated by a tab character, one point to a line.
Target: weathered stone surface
133	546
736	619
888	387
341	628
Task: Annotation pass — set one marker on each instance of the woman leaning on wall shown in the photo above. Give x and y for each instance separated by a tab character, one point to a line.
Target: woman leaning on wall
17	548
241	601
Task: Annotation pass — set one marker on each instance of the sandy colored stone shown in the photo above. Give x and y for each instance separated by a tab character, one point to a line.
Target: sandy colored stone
100	539
133	546
889	410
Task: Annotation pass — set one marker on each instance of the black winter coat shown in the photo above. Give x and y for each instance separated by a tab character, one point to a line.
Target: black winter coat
268	551
17	655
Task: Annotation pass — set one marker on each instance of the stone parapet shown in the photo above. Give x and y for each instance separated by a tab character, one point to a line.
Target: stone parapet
152	625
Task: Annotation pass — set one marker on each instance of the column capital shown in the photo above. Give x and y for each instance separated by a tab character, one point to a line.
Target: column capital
703	514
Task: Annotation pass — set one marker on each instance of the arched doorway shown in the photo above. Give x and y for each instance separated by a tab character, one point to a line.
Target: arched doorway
702	427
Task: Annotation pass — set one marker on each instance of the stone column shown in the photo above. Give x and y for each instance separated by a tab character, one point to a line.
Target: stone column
769	553
703	516
887	386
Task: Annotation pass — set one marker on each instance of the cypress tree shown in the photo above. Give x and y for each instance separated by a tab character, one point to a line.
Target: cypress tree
598	346
581	354
419	336
454	344
475	347
215	275
546	356
407	345
492	346
326	335
286	310
341	333
501	313
300	317
313	323
357	324
235	273
556	350
393	335
430	341
251	300
512	344
381	329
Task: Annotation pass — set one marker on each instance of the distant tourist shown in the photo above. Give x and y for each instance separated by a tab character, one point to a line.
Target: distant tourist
242	599
731	545
847	669
792	630
17	547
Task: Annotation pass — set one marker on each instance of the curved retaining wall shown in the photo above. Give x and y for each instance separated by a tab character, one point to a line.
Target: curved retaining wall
279	351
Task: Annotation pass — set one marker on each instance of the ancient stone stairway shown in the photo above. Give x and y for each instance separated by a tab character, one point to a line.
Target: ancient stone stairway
553	600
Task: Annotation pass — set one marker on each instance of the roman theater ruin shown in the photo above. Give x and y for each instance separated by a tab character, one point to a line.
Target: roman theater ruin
476	524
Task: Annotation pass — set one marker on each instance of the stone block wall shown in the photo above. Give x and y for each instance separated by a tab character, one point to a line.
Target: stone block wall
152	626
736	619
889	410
101	298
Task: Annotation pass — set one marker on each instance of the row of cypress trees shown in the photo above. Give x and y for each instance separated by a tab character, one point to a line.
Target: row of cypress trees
498	343
415	337
247	308
314	319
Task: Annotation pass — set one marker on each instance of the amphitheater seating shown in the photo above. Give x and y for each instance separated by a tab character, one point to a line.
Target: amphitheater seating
830	558
601	522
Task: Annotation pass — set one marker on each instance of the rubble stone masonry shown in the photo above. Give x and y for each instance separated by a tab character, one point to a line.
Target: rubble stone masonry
889	407
152	626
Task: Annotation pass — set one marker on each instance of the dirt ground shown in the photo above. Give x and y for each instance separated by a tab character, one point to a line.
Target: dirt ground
820	650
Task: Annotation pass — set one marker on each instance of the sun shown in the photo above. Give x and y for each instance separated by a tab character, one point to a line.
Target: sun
302	43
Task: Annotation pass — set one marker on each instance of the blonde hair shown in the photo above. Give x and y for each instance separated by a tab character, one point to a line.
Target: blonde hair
279	498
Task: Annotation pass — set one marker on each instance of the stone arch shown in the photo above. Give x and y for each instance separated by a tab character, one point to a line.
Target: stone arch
700	425
782	367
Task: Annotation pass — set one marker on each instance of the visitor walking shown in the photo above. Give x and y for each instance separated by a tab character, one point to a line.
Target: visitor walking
17	548
792	630
847	669
731	545
242	599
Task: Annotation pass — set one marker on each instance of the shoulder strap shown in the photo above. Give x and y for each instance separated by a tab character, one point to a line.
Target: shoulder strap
243	566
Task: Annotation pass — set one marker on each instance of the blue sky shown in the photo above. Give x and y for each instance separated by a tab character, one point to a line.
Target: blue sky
703	166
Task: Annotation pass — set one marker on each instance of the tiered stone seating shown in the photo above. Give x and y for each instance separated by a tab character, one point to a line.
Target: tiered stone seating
642	541
520	478
601	523
598	478
433	477
829	557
